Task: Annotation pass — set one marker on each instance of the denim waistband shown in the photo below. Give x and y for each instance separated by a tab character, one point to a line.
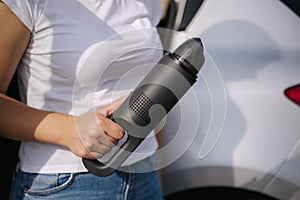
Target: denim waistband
148	164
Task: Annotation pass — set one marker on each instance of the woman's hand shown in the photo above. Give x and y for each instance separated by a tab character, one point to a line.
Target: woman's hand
95	134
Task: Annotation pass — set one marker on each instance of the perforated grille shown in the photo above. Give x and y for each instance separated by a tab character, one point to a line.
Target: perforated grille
141	106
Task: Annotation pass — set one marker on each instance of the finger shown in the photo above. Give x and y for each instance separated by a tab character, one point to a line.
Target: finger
113	142
96	155
110	128
116	104
96	149
107	140
100	148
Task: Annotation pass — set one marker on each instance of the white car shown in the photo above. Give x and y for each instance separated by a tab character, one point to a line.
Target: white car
236	134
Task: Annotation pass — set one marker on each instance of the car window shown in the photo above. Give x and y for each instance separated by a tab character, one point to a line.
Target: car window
294	5
193	6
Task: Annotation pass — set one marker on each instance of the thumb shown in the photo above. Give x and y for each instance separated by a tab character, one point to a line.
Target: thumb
116	104
109	109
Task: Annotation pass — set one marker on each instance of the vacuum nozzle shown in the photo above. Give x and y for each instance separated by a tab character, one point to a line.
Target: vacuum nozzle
190	54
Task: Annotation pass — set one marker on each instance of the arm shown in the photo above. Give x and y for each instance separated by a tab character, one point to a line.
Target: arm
13	41
20	122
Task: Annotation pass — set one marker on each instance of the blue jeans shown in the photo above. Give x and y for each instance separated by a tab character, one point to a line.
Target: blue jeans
86	186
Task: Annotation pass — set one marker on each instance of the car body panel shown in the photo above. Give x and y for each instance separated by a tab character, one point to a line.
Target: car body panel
255	47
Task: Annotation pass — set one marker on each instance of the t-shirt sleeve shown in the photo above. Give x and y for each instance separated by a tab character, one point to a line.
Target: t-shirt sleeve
23	10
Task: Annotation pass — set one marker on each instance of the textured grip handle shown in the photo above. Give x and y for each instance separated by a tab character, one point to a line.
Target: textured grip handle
104	169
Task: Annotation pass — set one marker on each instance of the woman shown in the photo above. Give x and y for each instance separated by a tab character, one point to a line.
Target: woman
69	56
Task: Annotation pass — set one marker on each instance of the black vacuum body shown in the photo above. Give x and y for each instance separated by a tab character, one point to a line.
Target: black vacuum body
152	99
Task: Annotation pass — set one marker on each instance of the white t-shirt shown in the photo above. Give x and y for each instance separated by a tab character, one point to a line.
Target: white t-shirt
78	51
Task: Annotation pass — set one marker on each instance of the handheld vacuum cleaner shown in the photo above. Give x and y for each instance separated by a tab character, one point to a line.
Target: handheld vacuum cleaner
152	99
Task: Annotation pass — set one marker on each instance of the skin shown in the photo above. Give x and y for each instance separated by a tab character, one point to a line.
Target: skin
20	122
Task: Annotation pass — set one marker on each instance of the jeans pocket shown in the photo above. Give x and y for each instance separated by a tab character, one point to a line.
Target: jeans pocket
46	184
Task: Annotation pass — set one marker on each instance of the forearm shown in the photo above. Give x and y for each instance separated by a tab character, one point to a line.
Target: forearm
20	122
